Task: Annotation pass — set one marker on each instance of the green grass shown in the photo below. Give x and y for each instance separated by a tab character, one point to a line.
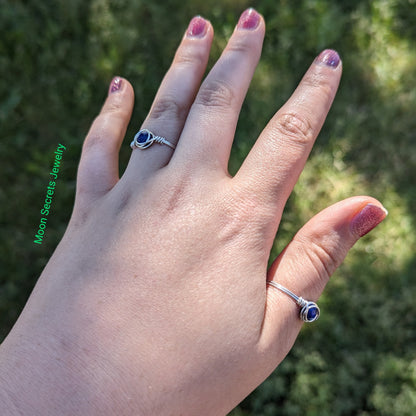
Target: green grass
56	60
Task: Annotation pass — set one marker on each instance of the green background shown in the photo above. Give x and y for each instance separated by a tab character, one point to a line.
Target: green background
56	61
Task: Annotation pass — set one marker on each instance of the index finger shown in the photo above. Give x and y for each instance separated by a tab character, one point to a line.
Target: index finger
275	162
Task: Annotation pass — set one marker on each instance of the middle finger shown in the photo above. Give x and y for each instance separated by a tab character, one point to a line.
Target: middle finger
209	129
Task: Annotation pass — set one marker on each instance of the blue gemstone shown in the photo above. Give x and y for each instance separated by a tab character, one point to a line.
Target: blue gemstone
312	313
143	137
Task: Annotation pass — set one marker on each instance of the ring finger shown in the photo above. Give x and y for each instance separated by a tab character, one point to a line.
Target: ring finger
174	98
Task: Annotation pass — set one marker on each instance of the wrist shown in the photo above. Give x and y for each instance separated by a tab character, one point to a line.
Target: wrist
38	379
8	406
42	374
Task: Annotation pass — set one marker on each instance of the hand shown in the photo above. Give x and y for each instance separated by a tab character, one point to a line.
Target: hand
155	301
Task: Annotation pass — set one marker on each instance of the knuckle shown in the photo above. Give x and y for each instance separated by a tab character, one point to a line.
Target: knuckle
244	220
321	257
215	94
189	57
316	80
81	212
168	107
295	127
113	108
92	141
96	136
112	113
172	196
240	46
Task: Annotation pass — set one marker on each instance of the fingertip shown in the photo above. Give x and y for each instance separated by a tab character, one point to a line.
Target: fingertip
115	113
196	43
329	58
352	217
198	28
117	108
115	85
120	88
346	221
250	19
367	218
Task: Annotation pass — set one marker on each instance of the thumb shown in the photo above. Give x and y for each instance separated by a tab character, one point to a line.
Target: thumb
307	263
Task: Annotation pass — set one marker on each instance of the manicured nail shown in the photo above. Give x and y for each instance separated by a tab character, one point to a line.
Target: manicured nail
249	19
115	85
197	27
329	57
368	218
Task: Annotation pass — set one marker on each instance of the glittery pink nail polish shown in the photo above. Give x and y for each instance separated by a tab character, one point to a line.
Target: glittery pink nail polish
197	27
249	19
329	57
115	85
368	218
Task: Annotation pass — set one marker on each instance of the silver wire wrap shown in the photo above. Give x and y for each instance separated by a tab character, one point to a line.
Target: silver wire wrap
309	311
150	138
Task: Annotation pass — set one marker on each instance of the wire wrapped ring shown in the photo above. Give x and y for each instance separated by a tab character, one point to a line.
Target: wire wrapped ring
145	138
309	311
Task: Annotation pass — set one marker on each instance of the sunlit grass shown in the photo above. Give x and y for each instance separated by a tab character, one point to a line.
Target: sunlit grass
387	56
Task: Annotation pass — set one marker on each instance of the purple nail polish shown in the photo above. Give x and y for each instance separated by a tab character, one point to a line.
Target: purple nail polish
368	218
115	84
249	19
197	27
329	57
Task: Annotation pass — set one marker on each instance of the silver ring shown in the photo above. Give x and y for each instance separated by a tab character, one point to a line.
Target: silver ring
309	311
145	138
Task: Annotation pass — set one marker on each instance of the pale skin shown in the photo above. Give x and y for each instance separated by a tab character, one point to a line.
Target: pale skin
155	301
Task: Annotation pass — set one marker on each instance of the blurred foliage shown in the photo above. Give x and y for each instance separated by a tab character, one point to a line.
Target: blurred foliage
56	61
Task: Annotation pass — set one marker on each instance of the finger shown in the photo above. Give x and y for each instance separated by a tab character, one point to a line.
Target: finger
209	130
98	167
174	97
309	260
275	162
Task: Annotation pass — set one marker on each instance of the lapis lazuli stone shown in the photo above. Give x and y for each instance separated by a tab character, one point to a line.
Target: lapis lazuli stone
143	137
312	313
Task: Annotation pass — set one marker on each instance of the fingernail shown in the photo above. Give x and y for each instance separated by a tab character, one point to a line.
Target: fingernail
197	27
368	218
329	57
115	85
249	19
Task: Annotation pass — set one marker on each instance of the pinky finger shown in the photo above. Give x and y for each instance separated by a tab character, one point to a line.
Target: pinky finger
98	167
